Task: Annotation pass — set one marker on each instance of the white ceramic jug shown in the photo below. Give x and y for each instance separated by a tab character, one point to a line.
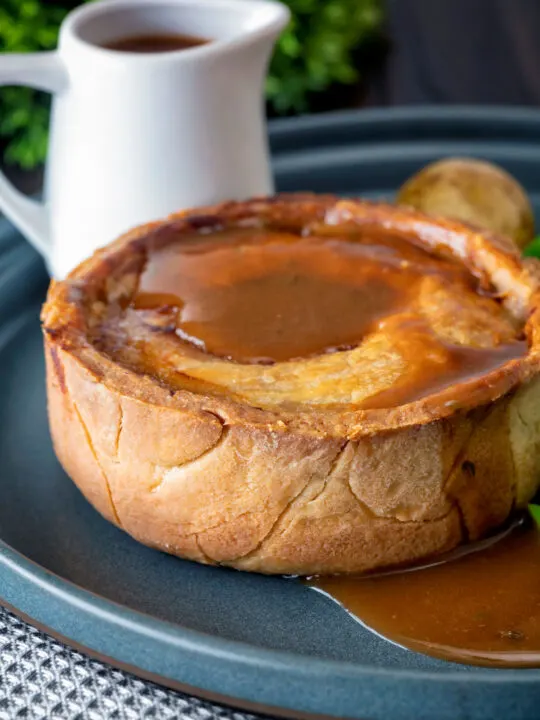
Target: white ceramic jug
136	136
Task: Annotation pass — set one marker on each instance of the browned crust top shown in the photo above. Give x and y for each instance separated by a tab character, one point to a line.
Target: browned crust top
494	259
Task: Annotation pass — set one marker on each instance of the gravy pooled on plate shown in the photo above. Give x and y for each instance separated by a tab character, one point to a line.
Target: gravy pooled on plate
482	608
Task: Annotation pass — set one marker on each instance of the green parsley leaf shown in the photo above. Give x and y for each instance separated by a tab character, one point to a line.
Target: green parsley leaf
533	248
534	511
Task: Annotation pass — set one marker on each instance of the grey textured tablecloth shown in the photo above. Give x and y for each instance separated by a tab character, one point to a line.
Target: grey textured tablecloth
41	678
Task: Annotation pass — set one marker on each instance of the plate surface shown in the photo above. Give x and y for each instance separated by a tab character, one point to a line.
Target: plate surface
255	639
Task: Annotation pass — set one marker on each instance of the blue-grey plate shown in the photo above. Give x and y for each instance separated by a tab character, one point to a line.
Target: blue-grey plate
254	641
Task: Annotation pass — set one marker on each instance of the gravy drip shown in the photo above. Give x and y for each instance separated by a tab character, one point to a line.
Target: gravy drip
480	609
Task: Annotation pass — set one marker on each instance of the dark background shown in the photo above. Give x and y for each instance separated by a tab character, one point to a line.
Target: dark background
459	51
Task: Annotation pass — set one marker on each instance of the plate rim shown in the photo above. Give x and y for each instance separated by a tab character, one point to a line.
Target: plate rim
34	579
101	607
375	117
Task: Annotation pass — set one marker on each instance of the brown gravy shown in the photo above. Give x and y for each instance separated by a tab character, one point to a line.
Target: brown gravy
481	609
261	296
441	365
154	43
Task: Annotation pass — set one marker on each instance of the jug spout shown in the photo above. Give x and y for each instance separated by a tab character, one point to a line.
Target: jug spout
233	107
223	86
136	136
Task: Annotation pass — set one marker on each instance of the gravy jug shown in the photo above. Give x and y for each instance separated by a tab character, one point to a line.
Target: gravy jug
136	136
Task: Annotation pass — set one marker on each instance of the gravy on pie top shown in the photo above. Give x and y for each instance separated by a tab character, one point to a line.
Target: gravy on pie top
257	296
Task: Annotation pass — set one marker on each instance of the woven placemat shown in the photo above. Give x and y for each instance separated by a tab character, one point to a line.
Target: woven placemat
40	678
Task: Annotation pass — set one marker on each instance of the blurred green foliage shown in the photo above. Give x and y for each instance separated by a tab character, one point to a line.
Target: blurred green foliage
317	49
26	26
315	52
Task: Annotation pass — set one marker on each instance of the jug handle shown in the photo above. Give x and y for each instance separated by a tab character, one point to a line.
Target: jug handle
43	71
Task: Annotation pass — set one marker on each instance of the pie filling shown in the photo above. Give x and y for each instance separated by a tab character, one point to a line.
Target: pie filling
276	317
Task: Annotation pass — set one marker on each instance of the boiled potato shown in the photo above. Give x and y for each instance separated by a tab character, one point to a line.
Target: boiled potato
472	191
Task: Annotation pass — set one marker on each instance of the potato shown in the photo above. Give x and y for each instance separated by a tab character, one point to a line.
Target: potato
472	191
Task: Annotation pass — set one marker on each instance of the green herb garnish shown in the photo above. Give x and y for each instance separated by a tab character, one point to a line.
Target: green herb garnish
534	511
533	248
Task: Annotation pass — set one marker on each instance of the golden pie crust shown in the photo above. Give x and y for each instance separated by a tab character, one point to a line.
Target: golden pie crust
192	455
